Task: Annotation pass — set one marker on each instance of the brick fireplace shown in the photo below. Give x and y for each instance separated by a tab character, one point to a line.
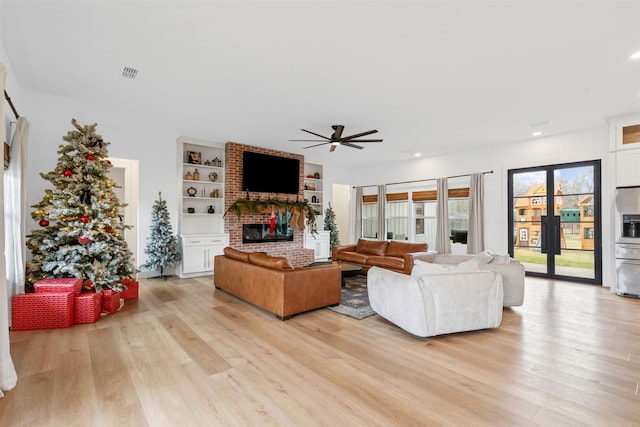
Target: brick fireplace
294	250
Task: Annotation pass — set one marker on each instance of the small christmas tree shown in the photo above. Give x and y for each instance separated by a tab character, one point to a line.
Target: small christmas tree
330	225
162	246
82	232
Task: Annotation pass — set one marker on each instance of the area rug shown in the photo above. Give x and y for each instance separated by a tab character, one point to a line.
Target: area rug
355	299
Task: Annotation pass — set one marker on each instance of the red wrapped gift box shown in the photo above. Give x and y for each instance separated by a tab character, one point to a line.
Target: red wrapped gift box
56	284
87	307
132	290
110	301
41	311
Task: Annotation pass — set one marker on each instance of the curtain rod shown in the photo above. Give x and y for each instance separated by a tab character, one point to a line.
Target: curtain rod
419	180
13	108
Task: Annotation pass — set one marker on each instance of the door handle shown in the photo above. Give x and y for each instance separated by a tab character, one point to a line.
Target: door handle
543	234
557	231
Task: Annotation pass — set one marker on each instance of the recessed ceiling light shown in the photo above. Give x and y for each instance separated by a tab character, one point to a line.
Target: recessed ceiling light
417	155
635	55
538	133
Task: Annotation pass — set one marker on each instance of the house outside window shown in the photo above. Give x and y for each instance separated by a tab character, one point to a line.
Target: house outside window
425	220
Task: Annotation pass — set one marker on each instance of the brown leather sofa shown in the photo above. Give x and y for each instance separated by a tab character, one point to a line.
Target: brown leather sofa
272	284
391	255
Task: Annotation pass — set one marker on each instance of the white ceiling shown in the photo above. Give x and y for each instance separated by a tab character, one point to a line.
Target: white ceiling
431	76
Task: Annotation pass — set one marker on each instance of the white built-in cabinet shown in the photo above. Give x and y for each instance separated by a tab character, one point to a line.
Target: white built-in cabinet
201	205
320	243
625	142
314	195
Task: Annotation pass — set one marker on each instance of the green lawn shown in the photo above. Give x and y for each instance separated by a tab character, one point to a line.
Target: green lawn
568	258
571	255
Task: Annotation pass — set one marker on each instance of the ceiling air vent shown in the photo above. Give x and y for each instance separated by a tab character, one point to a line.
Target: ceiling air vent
129	73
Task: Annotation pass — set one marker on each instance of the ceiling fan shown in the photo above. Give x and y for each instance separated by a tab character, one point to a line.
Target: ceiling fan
337	139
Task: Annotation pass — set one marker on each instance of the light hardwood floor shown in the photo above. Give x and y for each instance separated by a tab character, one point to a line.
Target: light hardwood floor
187	355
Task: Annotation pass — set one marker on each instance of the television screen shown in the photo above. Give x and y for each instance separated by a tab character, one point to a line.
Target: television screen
264	173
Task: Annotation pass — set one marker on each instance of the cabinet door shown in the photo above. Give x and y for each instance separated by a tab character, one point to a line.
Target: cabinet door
213	251
323	249
194	259
627	170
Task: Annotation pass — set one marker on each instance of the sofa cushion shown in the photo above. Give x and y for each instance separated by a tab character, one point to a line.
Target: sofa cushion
372	247
386	262
273	262
484	257
400	248
353	257
236	254
422	268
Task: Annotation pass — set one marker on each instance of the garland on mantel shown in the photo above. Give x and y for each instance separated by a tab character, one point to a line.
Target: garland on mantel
241	206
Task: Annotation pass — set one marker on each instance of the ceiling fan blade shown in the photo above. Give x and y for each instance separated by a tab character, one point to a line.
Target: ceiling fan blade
317	145
307	140
364	140
357	135
332	148
338	132
348	144
316	134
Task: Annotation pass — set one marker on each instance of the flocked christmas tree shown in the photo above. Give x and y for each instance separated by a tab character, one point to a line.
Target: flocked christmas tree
330	225
162	246
81	230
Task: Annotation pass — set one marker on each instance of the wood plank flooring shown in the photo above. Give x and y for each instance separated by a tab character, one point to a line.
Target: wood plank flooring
187	355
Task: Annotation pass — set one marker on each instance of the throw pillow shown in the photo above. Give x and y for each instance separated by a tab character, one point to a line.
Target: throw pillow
423	268
500	259
484	257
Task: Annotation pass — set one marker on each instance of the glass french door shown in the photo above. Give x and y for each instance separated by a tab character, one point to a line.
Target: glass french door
554	220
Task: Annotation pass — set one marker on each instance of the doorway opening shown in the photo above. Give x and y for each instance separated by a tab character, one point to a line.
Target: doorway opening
124	174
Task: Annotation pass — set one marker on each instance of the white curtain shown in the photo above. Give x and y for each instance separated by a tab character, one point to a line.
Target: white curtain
443	245
358	210
8	376
382	201
15	201
475	238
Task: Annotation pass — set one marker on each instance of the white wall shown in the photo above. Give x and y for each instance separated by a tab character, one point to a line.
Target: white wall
590	144
50	119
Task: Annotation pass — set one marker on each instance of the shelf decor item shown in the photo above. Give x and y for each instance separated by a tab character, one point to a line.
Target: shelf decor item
194	157
196	175
191	191
316	175
188	176
213	176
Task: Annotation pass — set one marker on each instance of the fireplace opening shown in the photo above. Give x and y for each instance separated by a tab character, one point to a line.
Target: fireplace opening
261	233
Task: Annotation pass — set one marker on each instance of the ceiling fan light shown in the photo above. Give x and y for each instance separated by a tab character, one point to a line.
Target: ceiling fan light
335	143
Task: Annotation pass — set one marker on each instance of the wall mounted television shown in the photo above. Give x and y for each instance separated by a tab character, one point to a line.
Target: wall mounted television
264	173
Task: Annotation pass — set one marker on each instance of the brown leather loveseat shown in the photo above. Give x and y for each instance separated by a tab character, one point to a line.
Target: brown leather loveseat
391	255
271	283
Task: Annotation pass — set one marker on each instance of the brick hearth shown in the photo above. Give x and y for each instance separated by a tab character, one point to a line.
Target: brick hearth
295	252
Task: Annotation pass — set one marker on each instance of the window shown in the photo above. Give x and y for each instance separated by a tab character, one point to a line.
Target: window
459	214
397	220
370	220
536	200
588	233
524	234
425	219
